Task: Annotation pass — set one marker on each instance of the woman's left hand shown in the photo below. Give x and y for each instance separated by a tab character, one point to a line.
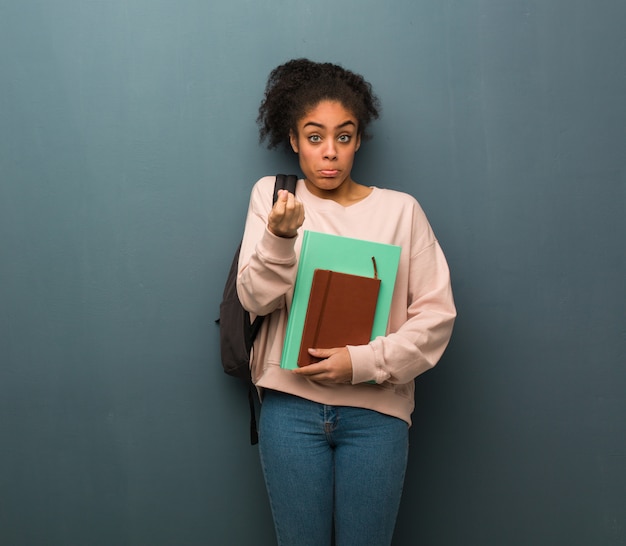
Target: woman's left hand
336	366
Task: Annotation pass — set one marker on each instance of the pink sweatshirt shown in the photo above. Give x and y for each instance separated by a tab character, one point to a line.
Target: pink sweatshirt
422	309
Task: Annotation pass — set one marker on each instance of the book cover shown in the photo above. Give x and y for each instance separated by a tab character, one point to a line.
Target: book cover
342	255
340	312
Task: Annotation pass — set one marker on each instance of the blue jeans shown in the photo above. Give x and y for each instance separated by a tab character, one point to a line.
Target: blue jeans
331	464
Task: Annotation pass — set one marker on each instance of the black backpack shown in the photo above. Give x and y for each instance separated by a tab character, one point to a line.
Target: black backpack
237	333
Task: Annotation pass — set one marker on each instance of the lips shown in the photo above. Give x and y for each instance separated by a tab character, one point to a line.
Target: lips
329	172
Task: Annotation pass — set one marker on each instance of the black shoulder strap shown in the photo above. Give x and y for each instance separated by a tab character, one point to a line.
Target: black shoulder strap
285	182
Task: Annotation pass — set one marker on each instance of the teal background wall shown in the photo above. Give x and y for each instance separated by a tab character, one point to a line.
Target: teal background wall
128	147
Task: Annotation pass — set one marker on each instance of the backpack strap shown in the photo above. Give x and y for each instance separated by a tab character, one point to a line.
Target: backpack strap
283	182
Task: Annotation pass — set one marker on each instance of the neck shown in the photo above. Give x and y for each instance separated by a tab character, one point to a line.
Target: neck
346	194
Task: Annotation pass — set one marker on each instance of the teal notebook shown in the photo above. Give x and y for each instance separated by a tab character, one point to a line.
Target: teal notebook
345	255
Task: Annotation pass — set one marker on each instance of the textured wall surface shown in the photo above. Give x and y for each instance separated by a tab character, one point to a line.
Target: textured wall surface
128	147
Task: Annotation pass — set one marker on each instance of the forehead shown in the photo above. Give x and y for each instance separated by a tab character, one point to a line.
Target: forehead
329	114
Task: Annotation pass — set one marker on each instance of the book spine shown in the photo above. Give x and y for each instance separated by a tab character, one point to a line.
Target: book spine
322	309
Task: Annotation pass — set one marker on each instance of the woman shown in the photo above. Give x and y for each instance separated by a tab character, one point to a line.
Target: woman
333	436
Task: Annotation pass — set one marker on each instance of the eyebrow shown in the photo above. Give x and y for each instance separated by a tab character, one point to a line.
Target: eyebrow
341	126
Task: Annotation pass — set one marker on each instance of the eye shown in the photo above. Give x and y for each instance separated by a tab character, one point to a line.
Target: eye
314	138
345	138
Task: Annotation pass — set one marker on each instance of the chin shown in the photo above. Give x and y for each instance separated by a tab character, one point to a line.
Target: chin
330	185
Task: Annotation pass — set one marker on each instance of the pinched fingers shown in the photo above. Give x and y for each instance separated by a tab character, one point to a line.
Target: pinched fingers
286	216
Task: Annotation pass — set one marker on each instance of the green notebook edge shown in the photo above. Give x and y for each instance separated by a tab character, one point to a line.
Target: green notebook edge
346	255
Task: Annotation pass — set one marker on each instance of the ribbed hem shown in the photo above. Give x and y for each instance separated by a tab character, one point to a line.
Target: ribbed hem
381	398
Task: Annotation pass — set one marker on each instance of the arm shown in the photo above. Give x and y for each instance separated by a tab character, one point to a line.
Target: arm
410	351
267	261
417	345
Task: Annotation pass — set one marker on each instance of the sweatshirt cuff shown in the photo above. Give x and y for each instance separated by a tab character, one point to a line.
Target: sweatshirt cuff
274	249
364	364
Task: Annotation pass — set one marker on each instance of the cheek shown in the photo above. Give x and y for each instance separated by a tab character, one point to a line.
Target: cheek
305	160
305	153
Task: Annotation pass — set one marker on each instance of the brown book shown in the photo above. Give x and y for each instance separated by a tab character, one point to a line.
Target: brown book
340	312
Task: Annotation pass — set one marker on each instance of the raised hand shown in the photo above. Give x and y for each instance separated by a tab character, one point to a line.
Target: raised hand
286	216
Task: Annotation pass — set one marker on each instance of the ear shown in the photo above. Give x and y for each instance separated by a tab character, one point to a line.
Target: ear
358	142
293	140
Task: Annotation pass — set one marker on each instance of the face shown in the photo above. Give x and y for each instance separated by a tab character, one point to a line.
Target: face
327	139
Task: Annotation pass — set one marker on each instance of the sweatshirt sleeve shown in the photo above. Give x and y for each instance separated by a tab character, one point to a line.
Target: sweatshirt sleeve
421	328
267	263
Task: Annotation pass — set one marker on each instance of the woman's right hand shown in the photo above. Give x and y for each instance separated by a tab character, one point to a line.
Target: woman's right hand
286	216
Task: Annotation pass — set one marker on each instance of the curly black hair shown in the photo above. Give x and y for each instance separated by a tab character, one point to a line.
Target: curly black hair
298	85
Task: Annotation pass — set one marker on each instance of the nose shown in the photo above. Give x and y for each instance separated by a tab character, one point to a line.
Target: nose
330	150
